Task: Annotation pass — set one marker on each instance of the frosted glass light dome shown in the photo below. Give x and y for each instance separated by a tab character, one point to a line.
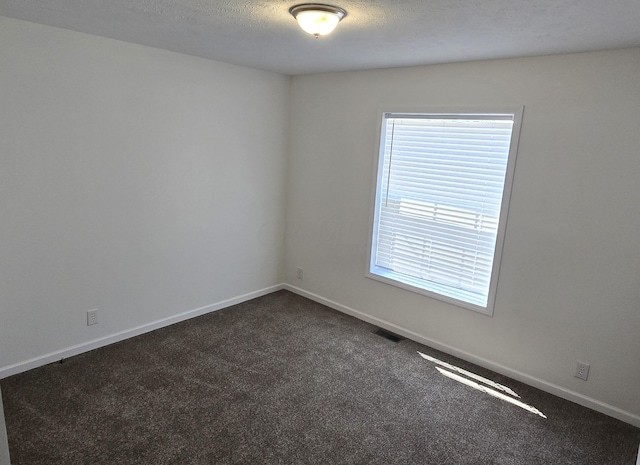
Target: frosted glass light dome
317	19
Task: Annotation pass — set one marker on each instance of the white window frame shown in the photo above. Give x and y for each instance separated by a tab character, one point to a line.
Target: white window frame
390	277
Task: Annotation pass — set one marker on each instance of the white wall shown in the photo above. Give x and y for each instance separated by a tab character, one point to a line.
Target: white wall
137	181
570	282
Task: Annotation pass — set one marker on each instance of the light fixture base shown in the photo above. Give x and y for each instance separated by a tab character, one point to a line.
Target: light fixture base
340	12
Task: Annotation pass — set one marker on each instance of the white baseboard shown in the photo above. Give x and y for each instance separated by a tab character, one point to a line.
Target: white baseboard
551	388
517	375
121	336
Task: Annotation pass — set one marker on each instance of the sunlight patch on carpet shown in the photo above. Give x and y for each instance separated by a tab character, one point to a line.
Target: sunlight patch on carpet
493	391
469	374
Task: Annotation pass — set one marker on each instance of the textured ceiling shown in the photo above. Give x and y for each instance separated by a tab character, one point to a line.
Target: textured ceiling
375	34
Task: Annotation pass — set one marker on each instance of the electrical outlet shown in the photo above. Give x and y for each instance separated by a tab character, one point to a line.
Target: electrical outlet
582	370
299	273
92	317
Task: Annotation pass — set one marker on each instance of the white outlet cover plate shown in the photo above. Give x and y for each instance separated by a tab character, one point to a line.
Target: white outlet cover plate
582	370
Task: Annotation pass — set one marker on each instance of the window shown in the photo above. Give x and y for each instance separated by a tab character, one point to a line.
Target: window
442	193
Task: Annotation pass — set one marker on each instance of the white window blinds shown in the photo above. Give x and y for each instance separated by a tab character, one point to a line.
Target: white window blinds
440	189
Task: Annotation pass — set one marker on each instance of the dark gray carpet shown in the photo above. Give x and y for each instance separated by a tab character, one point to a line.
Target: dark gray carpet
283	380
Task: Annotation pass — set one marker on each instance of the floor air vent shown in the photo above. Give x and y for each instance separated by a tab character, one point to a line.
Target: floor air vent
388	335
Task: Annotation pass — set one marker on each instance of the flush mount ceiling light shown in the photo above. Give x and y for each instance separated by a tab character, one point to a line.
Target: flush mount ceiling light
316	18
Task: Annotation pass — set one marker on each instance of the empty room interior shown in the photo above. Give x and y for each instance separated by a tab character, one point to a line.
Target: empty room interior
175	163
